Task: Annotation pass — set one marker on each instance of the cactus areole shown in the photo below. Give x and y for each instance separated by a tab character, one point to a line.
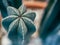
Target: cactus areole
19	23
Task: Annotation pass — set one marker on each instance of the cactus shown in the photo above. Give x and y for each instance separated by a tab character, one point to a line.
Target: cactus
19	24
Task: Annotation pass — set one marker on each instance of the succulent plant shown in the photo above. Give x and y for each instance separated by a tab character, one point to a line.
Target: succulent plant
19	22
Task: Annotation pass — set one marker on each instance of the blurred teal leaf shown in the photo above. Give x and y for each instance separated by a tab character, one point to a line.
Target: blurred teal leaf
30	15
12	11
22	9
22	27
6	21
51	19
30	25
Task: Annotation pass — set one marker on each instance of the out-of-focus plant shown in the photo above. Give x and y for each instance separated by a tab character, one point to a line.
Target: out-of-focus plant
51	19
49	23
19	25
5	3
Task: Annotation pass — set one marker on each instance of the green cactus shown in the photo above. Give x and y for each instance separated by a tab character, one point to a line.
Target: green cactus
19	22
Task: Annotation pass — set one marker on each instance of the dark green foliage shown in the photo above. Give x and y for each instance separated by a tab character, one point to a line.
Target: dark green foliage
51	19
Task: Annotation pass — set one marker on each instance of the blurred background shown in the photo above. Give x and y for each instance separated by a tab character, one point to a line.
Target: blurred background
47	20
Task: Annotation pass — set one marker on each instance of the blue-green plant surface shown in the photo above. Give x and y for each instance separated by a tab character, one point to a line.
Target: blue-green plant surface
19	22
